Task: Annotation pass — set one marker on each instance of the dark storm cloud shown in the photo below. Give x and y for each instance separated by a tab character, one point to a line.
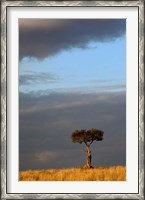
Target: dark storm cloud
33	77
46	37
46	123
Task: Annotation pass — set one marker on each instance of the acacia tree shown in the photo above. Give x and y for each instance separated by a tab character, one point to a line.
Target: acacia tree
87	137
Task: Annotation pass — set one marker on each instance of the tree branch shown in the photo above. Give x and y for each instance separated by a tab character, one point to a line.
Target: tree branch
91	142
86	143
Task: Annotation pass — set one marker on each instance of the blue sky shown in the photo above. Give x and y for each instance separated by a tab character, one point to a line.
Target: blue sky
72	75
100	64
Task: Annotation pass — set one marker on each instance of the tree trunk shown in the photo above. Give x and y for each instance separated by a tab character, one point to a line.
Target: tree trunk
88	155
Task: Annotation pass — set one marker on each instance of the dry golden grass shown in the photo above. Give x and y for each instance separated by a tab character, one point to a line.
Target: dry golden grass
116	173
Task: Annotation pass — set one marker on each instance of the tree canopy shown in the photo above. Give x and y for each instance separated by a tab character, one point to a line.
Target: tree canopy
87	136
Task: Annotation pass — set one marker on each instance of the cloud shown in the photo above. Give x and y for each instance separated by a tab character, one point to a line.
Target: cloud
45	156
94	81
61	99
33	77
41	38
46	123
78	90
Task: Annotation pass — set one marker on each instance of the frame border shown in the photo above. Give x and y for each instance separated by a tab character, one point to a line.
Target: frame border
4	5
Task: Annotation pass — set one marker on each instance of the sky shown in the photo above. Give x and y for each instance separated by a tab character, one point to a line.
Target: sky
72	75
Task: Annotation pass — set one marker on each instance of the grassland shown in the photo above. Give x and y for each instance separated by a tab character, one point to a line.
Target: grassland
116	173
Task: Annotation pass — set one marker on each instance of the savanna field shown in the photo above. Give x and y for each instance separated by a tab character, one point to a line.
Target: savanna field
115	173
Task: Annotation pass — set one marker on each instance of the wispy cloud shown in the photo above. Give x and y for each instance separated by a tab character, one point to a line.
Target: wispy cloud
79	90
33	77
94	81
46	156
